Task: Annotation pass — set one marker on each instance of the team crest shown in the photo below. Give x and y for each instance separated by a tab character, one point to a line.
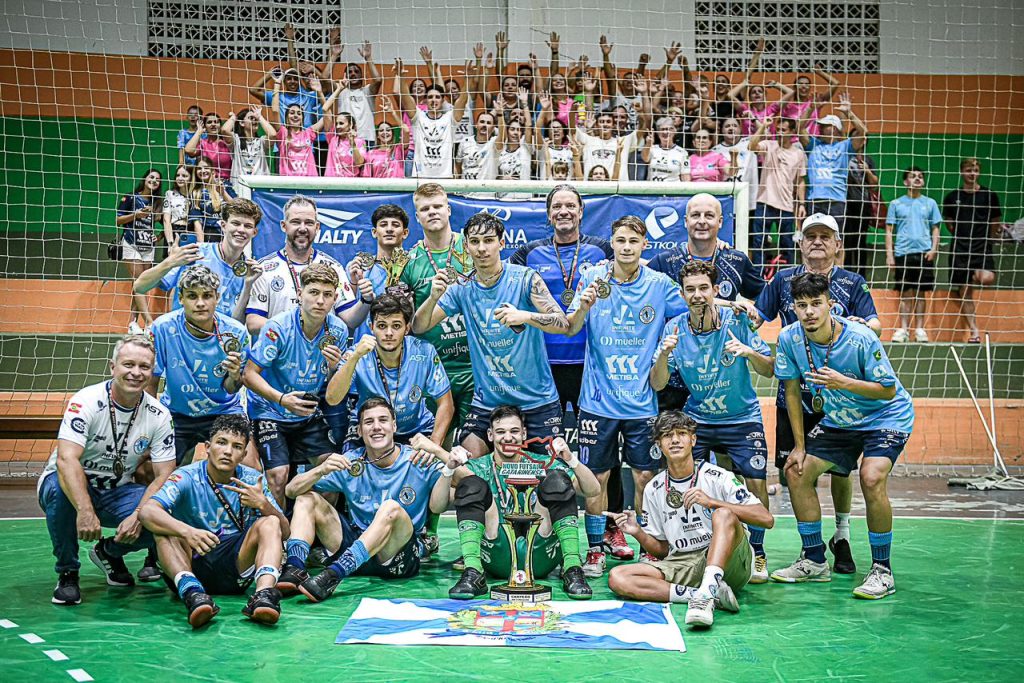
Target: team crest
141	445
837	309
509	619
725	288
758	462
655	452
647	314
407	496
415	394
219	370
277	284
728	359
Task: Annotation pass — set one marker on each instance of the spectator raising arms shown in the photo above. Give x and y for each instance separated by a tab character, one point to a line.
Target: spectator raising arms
806	99
513	145
210	143
345	152
387	159
433	129
138	240
248	149
294	141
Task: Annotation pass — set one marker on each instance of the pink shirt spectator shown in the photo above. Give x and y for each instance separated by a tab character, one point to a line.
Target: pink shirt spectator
384	163
781	170
751	118
219	153
564	107
794	110
708	168
341	161
296	152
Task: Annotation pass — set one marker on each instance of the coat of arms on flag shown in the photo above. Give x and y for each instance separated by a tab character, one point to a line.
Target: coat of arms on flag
603	624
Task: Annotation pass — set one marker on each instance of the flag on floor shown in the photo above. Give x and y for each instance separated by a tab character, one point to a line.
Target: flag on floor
599	625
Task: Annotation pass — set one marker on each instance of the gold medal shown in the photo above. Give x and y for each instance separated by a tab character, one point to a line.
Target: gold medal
240	268
567	296
604	290
818	403
357	468
118	468
365	260
675	499
231	344
327	340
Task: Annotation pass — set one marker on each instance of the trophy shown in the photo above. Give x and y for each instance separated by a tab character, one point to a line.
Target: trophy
520	480
395	265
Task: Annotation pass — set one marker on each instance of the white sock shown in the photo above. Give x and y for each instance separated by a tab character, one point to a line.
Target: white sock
712	577
843	526
679	593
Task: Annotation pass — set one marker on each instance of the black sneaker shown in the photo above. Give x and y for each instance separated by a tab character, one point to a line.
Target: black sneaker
320	587
264	606
317	557
844	563
149	572
575	584
470	585
67	592
459	565
113	567
201	608
291	577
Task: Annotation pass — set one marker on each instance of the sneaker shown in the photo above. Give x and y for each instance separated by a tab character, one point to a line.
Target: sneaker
149	572
320	587
701	611
317	557
759	570
920	335
843	563
291	577
459	565
647	557
135	328
726	599
67	592
617	545
201	608
594	565
803	570
471	584
575	584
877	584
264	606
113	567
432	543
900	336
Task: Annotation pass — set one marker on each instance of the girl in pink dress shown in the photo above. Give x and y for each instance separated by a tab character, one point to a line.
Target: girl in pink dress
214	146
386	160
345	152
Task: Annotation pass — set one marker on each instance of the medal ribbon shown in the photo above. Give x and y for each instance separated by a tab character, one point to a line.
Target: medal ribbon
381	372
567	278
293	272
224	501
693	481
120	443
828	352
448	259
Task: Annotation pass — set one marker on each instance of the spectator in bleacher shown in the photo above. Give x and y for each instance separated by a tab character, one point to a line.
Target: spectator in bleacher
135	216
555	147
806	100
478	158
561	100
209	194
602	147
211	144
828	159
724	106
621	91
515	153
387	158
666	161
346	153
757	108
861	200
248	150
295	140
358	96
292	84
731	140
177	202
433	129
707	165
783	192
911	247
194	115
973	215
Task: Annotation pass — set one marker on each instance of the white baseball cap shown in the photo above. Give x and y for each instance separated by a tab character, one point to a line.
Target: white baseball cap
830	120
815	220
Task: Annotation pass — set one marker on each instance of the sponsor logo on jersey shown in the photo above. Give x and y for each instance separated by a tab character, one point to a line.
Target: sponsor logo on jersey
78	424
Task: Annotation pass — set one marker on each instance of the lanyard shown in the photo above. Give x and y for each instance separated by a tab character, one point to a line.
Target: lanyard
632	278
504	497
292	271
818	403
673	497
567	278
224	501
120	443
715	322
327	339
448	259
381	372
690	257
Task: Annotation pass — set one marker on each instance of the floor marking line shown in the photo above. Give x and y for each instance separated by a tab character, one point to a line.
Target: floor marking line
55	655
31	638
79	675
7	623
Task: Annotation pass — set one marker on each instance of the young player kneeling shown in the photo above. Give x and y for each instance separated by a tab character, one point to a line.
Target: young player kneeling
693	520
218	528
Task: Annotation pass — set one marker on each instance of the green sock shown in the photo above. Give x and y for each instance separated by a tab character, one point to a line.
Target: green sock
568	531
433	519
471	535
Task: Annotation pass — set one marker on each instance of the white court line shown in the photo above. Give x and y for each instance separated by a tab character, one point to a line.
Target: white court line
55	655
939	517
31	638
79	675
7	623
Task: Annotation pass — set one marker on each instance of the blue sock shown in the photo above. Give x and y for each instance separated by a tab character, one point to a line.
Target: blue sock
756	539
298	551
186	583
350	560
595	529
810	536
881	545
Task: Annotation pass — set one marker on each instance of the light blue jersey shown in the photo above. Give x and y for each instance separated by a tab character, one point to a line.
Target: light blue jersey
291	362
857	353
913	219
828	166
188	496
192	366
378	277
508	367
721	389
404	482
622	338
230	284
419	376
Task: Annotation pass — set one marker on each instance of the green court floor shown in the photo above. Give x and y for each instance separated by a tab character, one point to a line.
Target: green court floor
955	617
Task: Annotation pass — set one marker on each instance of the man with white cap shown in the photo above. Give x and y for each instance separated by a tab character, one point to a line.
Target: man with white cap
828	159
819	240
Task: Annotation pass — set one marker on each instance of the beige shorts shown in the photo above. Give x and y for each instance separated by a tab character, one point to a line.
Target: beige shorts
687	569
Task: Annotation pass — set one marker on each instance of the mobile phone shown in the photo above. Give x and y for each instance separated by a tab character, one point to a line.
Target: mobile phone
187	238
309	396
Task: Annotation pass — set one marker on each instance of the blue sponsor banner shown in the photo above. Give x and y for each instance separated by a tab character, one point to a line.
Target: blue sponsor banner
345	219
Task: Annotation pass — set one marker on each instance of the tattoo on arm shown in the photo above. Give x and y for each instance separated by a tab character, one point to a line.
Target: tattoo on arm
549	312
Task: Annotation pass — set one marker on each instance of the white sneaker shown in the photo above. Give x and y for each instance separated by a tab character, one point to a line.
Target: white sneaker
759	570
900	336
877	584
135	328
802	571
701	611
726	599
920	335
593	566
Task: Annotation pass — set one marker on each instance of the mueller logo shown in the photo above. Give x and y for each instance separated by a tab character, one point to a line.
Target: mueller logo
622	365
660	219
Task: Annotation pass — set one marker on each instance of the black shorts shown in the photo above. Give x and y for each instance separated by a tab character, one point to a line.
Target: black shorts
842	447
784	442
568	380
541	422
405	564
218	571
913	271
283	443
963	266
188	433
